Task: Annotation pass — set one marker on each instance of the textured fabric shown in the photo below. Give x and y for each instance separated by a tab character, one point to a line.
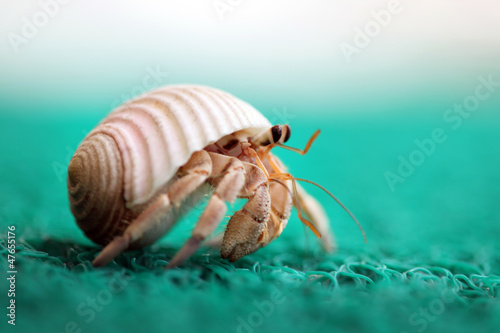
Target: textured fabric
431	264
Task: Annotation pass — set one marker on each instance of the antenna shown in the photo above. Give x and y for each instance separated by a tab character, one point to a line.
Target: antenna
340	204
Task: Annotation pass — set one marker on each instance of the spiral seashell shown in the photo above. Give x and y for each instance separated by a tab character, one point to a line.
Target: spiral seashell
95	186
132	154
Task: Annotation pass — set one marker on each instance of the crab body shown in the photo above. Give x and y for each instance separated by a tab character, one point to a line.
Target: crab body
131	176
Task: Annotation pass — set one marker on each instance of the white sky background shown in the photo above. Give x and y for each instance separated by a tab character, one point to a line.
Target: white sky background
279	48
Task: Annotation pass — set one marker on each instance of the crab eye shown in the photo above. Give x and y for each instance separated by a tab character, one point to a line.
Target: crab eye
276	132
287	134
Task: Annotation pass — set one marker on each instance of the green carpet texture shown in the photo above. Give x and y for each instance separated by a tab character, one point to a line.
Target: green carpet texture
431	264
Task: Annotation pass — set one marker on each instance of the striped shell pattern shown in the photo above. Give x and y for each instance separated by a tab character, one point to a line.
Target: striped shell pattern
131	155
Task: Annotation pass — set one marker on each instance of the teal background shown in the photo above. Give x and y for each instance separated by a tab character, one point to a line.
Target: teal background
432	261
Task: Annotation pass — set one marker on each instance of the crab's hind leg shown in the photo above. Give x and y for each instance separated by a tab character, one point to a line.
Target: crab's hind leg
228	177
153	222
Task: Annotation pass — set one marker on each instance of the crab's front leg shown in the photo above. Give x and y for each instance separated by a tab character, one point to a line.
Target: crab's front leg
228	177
281	206
244	230
315	212
281	198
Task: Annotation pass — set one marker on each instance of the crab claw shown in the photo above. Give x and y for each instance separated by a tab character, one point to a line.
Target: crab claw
242	235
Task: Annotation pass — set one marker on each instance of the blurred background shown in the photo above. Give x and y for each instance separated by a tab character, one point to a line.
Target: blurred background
406	93
279	52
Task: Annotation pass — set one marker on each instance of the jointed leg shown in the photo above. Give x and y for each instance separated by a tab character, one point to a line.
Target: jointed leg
245	227
296	202
281	201
227	189
310	206
152	223
313	209
279	213
281	205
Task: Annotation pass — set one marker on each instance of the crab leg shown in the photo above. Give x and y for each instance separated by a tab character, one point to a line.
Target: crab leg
153	222
315	212
245	227
311	207
226	190
281	204
279	213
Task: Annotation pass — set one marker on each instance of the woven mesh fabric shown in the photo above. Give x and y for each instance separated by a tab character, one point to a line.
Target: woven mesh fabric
432	262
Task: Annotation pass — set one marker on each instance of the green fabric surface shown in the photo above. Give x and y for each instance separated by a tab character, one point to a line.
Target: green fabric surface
431	264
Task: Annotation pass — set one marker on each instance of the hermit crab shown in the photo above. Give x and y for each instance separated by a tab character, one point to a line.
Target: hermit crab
130	178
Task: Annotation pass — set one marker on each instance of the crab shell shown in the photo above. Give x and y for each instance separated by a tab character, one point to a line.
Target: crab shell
129	158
